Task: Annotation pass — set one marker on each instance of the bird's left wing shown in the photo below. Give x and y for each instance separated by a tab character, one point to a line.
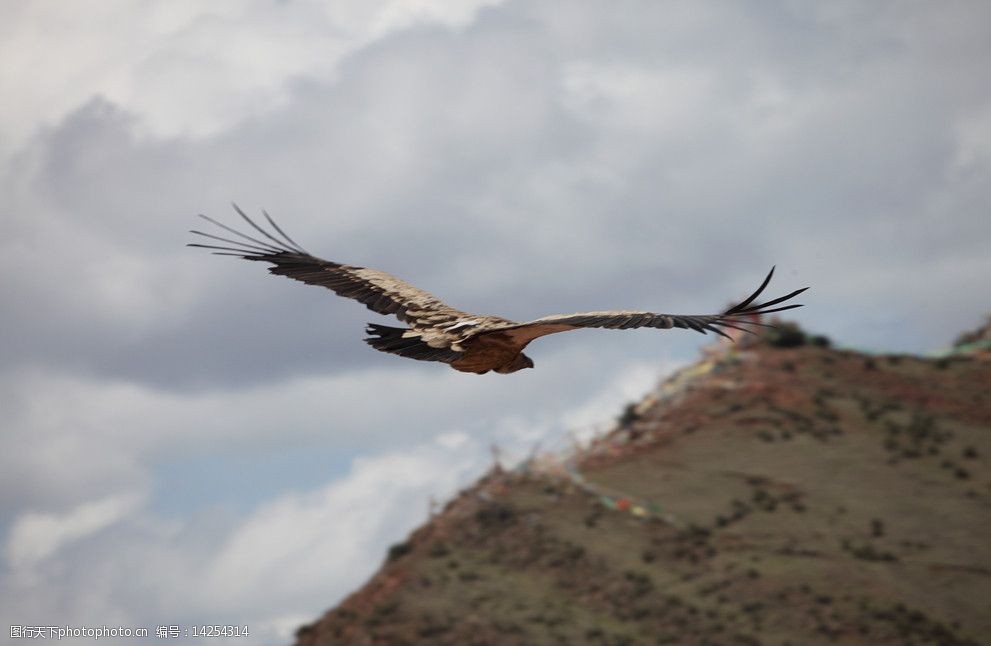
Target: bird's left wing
379	291
735	317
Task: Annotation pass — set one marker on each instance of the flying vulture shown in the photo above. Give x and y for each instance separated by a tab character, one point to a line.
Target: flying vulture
436	331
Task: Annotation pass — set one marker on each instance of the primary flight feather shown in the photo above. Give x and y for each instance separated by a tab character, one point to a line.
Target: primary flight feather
436	331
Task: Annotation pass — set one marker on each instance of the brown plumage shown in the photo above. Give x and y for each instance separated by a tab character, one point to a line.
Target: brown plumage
437	332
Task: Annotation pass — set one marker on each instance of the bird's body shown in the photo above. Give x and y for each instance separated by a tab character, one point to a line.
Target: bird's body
494	351
437	332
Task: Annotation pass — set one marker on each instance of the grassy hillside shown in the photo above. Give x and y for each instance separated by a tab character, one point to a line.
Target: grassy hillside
771	496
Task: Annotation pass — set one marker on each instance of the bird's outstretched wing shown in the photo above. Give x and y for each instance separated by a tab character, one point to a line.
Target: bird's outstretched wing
736	317
379	291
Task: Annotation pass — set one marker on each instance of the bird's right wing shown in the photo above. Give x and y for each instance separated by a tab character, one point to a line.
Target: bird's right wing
379	291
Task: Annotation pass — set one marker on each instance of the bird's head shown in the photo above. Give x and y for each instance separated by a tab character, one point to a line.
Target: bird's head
519	362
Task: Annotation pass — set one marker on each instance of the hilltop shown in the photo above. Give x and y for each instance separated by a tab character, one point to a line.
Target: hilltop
776	492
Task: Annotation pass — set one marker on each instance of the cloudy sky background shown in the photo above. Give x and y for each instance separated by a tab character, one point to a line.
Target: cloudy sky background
187	440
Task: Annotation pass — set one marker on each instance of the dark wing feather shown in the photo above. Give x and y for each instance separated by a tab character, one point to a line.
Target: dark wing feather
407	343
735	317
379	291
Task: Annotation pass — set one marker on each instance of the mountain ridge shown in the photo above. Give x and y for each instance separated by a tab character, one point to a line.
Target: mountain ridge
778	491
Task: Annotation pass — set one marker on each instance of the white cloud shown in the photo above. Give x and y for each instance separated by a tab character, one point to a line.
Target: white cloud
973	142
293	546
281	563
645	102
36	536
272	570
452	440
598	414
69	439
231	60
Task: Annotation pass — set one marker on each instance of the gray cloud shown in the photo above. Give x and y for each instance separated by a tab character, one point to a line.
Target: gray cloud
597	174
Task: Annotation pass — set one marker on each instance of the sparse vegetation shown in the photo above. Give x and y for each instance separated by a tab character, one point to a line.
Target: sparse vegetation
399	550
805	504
629	415
785	335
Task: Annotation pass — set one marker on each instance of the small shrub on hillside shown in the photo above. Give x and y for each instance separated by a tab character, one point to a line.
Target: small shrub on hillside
439	550
785	335
398	550
495	514
629	415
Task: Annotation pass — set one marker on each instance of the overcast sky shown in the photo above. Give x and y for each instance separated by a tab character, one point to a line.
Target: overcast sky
188	440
